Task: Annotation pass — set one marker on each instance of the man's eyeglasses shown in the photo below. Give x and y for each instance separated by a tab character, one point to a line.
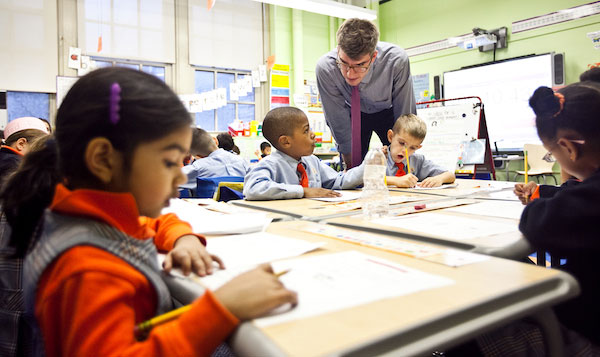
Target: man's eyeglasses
357	69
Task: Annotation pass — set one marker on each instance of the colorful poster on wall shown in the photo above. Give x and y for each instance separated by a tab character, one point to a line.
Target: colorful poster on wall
280	86
421	87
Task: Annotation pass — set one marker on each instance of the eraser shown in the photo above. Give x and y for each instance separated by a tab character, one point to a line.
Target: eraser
419	207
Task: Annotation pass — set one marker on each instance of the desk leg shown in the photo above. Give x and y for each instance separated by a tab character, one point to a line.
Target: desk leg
548	324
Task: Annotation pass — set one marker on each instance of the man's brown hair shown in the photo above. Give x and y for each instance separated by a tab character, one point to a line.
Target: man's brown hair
357	37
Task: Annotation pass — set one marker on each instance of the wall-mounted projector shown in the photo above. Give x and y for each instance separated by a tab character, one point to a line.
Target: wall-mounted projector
477	41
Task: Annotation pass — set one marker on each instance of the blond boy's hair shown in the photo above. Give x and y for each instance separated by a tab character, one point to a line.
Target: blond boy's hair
412	125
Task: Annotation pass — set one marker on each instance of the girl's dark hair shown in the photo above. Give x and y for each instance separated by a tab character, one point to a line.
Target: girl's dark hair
225	141
146	110
578	112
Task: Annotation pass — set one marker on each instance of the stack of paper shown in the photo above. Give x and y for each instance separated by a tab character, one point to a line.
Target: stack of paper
206	221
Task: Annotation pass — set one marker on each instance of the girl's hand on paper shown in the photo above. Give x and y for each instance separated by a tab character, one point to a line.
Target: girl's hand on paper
524	190
255	293
189	254
312	192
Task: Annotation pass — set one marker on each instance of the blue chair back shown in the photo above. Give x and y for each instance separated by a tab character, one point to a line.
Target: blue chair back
206	186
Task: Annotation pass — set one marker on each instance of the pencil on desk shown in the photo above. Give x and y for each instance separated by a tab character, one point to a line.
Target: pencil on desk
281	273
407	162
147	325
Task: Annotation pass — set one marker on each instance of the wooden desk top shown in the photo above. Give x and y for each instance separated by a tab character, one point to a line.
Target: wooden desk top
416	323
310	209
465	187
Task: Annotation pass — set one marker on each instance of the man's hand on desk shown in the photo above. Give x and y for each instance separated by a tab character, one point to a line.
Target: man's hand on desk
254	293
189	254
313	192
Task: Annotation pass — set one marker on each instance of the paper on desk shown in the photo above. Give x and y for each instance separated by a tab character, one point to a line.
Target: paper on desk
448	226
345	196
356	204
501	209
446	185
331	282
505	194
204	221
436	254
245	251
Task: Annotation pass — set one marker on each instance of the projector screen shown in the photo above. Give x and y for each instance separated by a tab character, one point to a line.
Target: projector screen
504	88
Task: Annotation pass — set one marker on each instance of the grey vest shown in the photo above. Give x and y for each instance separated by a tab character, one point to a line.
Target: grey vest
62	232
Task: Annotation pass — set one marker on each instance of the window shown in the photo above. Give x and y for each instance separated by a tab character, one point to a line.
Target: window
155	69
219	119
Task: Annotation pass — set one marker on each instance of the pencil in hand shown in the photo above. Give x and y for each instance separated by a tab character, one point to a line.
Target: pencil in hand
143	328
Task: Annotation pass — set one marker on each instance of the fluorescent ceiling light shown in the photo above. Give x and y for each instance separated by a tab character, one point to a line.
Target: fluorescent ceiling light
326	7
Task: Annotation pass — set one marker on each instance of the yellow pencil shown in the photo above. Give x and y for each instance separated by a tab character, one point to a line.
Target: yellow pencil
526	176
147	325
142	328
407	162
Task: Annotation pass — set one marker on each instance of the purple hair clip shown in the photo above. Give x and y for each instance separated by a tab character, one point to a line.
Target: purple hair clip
115	98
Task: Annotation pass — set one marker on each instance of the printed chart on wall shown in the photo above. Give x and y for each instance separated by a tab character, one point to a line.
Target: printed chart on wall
448	129
280	86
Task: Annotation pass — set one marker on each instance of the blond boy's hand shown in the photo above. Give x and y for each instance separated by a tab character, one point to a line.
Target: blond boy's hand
524	190
189	254
310	192
408	180
434	181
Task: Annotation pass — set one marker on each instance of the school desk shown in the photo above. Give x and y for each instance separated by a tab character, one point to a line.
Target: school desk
309	209
507	242
464	187
413	324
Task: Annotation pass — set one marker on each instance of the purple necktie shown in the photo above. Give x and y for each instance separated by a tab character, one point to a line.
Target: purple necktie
356	134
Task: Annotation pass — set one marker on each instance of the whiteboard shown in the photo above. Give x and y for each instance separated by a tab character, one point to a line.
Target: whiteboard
447	128
505	88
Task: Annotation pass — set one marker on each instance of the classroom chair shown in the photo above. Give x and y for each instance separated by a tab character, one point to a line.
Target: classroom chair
538	165
206	186
227	191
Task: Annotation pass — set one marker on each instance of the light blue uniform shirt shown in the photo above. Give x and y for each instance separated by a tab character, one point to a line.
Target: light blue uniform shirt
276	177
388	84
419	166
218	163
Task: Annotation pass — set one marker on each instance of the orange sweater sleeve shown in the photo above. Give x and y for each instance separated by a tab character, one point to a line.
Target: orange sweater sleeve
169	228
89	301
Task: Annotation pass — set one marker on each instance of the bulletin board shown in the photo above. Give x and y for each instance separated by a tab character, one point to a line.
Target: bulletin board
451	128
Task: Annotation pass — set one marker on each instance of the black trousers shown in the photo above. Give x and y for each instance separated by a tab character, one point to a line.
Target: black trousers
379	123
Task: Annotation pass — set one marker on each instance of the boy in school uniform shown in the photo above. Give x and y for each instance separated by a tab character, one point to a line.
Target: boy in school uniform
212	161
292	171
406	137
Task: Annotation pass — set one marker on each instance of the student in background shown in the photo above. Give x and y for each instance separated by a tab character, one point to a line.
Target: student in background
406	136
47	124
18	136
225	142
265	149
92	274
212	161
293	171
563	220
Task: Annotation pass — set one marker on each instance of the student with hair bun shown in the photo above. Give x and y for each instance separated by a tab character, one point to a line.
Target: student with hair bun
564	220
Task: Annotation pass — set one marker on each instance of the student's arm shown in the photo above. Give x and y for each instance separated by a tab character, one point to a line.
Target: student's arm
403	99
337	113
438	180
564	223
405	181
259	184
334	180
89	307
186	249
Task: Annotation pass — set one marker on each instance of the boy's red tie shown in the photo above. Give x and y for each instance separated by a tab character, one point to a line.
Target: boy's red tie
401	171
303	175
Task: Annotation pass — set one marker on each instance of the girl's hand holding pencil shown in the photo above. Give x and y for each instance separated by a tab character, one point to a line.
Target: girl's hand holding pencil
524	190
247	296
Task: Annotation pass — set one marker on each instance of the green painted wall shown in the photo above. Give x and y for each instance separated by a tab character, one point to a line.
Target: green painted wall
408	24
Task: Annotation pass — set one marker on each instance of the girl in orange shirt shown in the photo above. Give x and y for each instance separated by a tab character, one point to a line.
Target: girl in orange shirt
90	273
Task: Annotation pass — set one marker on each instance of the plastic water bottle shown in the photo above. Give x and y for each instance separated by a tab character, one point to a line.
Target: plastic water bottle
375	194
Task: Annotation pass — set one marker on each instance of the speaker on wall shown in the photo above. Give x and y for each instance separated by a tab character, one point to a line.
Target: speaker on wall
436	87
558	62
